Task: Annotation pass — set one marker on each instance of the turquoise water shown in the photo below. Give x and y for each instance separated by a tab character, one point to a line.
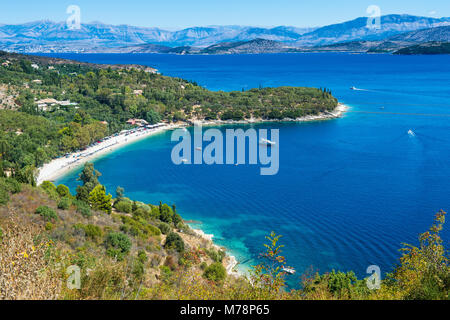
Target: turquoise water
349	191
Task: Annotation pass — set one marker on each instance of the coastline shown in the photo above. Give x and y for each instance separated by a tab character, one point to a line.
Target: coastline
230	260
338	112
61	166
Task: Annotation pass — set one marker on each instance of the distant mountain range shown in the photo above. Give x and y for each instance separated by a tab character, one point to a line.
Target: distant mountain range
395	32
391	44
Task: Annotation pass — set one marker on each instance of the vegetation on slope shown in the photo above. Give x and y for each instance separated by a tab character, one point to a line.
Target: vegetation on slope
426	48
145	251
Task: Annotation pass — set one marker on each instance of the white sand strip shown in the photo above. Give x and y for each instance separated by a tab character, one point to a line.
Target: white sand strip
58	167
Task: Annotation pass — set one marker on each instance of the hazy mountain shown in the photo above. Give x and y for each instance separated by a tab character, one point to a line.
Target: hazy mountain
357	29
441	34
391	44
47	36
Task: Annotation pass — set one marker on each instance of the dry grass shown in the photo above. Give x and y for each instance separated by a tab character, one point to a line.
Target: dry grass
24	265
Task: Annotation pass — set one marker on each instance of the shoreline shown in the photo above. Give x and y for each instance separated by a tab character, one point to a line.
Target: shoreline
327	115
231	261
61	166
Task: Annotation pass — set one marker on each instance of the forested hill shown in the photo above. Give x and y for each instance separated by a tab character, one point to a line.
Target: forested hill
53	106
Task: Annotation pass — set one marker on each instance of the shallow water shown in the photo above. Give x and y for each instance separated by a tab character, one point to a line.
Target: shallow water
348	192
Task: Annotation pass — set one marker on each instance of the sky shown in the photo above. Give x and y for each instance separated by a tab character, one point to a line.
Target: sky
179	14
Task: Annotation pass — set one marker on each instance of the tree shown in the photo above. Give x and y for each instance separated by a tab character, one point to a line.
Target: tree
63	191
119	193
269	275
166	213
99	200
89	177
174	241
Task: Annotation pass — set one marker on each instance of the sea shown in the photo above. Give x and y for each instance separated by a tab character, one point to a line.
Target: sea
349	191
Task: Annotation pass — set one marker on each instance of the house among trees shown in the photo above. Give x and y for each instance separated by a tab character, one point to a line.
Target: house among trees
44	104
137	122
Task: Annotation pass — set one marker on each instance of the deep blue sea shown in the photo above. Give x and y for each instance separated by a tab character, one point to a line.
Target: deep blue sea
349	191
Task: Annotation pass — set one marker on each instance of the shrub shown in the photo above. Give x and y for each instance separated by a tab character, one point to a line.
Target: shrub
174	241
1	234
215	272
139	266
123	206
92	231
47	213
165	273
142	256
83	208
50	189
164	227
63	191
118	245
138	227
216	256
8	185
12	185
64	203
4	196
49	226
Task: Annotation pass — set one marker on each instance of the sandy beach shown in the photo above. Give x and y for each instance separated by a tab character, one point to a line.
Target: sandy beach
59	167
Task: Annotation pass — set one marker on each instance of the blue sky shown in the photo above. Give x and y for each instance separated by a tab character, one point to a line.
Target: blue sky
177	14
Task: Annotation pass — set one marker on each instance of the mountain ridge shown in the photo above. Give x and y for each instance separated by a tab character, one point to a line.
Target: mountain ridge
48	36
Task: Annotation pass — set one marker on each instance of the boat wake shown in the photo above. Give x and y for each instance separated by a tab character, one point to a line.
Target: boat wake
411	133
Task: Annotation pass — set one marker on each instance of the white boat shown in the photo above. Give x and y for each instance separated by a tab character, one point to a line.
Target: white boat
411	133
289	270
266	141
353	88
